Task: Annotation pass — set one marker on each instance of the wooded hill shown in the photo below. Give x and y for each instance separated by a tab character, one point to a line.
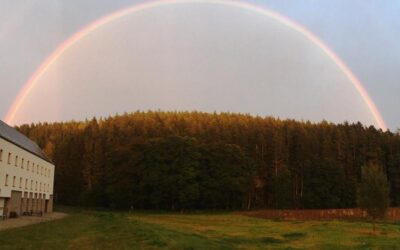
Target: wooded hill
195	160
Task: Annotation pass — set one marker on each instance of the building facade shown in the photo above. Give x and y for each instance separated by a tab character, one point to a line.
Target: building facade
26	175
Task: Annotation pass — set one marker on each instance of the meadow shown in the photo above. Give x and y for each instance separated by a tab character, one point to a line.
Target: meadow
89	229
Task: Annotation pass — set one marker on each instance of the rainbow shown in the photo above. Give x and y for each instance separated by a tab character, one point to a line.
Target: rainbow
62	48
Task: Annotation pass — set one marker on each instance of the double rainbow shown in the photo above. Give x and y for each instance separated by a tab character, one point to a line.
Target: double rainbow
62	48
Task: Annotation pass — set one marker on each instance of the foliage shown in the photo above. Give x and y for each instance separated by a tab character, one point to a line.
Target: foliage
280	186
325	186
194	160
373	191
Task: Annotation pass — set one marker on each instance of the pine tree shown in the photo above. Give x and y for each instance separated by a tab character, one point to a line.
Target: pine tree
373	192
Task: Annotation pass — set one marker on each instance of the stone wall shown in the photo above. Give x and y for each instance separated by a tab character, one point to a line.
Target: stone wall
319	214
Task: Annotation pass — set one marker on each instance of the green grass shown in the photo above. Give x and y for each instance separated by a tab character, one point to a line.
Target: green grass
88	229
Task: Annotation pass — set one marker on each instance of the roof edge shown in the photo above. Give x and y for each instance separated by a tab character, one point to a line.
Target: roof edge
24	148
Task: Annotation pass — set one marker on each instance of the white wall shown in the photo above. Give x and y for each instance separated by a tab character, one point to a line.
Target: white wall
19	171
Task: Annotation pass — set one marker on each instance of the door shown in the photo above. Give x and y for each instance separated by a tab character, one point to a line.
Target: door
46	204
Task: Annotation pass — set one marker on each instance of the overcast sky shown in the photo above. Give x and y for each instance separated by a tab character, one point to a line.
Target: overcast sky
363	33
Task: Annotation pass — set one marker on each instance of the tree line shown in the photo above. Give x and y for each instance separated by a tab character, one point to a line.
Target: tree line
196	160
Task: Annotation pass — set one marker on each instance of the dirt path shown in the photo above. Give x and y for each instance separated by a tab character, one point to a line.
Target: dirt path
28	220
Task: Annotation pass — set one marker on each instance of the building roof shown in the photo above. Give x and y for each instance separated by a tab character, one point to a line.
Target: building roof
15	137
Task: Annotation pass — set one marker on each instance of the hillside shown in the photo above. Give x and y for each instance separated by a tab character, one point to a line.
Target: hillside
194	160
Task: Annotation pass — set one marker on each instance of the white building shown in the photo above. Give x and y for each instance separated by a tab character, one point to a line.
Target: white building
26	175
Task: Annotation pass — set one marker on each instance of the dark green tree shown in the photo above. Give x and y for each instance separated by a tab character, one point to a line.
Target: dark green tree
168	173
325	185
280	188
373	192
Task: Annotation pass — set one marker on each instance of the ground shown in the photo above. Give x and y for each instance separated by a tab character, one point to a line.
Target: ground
88	229
28	220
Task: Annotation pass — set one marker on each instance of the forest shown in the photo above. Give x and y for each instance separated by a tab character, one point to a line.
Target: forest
195	160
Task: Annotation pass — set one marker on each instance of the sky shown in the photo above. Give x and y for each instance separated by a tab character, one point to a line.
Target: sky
202	57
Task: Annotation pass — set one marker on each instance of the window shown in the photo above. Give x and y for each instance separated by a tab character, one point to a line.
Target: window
36	186
26	183
40	187
14	181
41	171
37	169
16	160
31	185
33	167
9	159
22	163
1	154
6	182
27	165
20	182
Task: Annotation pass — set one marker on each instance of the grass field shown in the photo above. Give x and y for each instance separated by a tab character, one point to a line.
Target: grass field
85	229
